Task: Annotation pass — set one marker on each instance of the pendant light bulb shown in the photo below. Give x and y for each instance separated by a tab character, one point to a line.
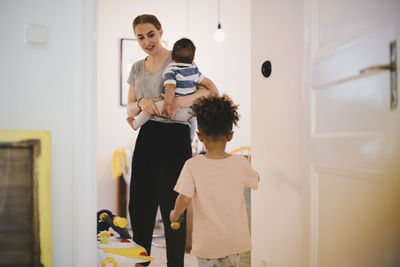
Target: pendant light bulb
219	34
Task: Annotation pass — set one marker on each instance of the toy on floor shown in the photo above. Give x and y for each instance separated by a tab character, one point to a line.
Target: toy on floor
105	220
117	250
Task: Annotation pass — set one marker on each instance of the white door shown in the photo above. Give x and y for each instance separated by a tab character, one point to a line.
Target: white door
324	136
353	133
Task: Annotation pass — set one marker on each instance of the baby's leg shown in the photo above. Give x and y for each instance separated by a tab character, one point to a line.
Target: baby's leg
183	114
142	118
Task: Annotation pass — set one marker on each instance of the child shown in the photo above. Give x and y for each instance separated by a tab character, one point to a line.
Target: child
180	78
214	183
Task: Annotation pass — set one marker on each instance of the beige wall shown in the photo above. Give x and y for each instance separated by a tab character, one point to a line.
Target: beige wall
277	35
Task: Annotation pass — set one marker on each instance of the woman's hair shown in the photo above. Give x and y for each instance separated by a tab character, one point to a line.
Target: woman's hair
216	115
183	51
146	18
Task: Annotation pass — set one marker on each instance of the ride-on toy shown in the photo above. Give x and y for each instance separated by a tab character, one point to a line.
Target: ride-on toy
117	249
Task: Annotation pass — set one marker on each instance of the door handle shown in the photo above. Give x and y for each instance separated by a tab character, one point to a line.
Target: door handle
392	67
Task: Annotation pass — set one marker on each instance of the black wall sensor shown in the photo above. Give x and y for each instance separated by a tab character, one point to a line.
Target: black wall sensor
266	69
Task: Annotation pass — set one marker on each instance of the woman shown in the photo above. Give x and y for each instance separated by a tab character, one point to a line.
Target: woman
162	146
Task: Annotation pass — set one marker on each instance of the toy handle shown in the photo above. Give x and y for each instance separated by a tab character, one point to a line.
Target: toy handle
122	231
104	217
104	264
120	222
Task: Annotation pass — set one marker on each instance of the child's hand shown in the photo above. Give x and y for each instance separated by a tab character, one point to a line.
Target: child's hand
176	221
148	107
166	110
172	216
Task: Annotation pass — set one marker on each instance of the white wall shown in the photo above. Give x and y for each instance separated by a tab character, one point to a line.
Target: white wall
277	35
50	88
227	64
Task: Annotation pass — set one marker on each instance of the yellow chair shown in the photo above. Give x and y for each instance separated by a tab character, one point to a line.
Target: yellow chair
243	150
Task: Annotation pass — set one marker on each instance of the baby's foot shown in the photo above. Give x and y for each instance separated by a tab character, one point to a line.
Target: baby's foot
130	121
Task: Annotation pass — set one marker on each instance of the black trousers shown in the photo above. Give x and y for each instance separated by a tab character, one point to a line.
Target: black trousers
161	150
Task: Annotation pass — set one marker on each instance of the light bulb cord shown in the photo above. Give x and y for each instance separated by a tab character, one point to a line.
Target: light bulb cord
219	14
187	16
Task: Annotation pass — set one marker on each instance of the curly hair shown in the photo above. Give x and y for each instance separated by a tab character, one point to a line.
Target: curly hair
216	115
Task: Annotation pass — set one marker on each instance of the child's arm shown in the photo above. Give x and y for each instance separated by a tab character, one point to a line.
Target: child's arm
168	99
181	204
209	85
189	228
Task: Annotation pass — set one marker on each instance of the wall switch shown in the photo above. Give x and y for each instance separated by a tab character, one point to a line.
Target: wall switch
37	34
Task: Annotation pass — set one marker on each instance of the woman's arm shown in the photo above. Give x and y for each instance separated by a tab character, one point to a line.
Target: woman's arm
134	105
132	109
208	84
187	100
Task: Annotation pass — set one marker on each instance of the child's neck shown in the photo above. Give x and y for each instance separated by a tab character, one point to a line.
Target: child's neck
216	149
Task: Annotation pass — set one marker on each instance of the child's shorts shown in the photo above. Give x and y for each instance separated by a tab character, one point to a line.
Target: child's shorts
229	261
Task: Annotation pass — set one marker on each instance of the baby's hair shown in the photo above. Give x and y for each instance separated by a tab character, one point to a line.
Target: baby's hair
183	51
216	115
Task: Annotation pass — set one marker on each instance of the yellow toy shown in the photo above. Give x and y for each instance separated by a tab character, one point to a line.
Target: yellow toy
116	252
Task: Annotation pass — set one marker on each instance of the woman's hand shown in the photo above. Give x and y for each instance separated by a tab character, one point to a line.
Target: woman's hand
148	107
130	121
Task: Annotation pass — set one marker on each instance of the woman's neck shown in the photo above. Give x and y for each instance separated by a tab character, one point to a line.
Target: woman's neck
154	62
159	56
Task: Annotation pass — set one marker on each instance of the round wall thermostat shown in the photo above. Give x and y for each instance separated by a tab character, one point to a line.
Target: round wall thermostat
266	69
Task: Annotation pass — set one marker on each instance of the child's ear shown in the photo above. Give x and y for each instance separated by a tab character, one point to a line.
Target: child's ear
199	136
229	136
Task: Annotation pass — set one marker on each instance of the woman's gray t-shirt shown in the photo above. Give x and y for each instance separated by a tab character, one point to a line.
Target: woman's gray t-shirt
149	85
